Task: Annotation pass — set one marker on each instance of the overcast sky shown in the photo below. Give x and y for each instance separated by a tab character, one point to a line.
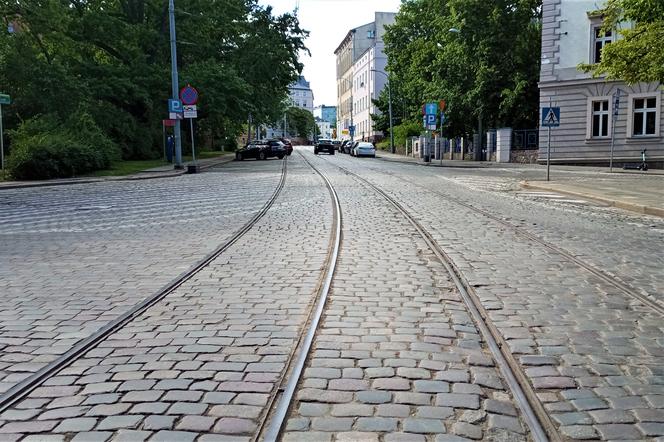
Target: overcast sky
328	22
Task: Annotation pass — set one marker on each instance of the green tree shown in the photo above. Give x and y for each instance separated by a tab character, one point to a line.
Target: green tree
111	60
639	54
481	57
301	122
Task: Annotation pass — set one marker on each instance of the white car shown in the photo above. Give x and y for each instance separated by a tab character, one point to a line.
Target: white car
363	149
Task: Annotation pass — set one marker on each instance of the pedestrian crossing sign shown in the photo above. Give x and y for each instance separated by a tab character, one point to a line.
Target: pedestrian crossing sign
550	116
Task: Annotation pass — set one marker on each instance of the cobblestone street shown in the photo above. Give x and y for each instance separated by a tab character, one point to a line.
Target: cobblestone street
571	291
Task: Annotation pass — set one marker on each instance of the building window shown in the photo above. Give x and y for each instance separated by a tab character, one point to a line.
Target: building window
643	110
600	40
600	120
644	116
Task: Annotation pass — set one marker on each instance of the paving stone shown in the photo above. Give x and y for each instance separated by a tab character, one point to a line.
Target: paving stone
232	425
188	408
499	407
357	436
316	395
131	436
579	432
413	373
427	412
195	423
553	382
312	409
28	427
393	410
423	426
404	437
611	416
182	396
331	424
105	409
170	436
374	397
92	436
651	428
158	422
589	404
452	376
381	424
150	408
457	400
424	386
217	397
120	422
575	418
619	431
403	397
506	422
352	410
391	384
309	436
467	430
348	384
298	424
76	425
379	372
240	411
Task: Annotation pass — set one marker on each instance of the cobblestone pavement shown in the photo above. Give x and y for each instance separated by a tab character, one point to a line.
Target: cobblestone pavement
397	356
594	355
75	257
207	358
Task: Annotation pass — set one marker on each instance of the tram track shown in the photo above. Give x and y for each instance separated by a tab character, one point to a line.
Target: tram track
23	388
627	289
534	414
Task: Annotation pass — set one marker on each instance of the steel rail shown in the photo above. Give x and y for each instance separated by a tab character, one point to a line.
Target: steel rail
534	414
603	275
23	388
278	417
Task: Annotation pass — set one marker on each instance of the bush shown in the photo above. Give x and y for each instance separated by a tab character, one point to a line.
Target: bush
45	147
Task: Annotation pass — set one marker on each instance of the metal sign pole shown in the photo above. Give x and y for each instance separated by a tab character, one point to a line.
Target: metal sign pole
2	143
614	118
548	149
193	146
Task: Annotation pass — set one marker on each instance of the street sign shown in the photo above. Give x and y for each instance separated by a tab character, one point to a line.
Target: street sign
351	130
431	108
550	116
443	118
442	105
5	99
174	106
190	111
189	95
344	132
168	123
175	115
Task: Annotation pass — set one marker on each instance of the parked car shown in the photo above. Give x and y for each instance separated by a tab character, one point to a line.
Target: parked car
347	146
288	145
262	150
363	149
324	145
351	148
337	145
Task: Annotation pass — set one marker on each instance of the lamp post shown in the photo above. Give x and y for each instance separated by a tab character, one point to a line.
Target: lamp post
389	99
175	83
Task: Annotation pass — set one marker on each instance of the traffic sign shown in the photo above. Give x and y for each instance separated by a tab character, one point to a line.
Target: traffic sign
175	115
550	116
174	106
351	130
189	95
443	118
5	99
431	109
190	111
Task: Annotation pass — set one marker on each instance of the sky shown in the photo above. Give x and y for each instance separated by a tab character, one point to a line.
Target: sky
328	22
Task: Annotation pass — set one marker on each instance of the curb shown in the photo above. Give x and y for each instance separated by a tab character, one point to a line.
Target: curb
432	163
135	177
632	207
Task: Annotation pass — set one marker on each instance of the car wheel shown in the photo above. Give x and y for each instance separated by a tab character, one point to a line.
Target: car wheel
238	157
281	157
315	151
332	152
262	156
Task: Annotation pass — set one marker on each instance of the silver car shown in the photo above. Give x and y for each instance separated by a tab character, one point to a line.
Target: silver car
363	149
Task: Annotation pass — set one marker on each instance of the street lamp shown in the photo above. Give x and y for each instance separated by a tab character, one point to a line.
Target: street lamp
389	98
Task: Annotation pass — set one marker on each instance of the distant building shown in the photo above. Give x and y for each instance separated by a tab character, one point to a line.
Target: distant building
571	34
325	128
300	95
326	113
367	86
353	47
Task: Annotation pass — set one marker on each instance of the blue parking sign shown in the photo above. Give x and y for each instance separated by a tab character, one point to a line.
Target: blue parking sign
175	106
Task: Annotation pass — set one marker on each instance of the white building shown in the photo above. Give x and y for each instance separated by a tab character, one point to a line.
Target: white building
367	86
571	34
300	95
325	129
354	47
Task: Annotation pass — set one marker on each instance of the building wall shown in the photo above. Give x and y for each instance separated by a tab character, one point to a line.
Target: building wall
567	41
325	129
301	94
326	113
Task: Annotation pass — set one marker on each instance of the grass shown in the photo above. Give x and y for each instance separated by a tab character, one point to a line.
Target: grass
122	168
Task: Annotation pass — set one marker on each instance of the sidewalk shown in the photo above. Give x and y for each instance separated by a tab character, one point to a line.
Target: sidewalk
165	171
636	191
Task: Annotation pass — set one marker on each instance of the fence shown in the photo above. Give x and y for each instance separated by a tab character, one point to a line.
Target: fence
525	139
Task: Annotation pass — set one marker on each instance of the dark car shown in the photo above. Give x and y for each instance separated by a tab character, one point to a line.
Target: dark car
262	150
337	145
342	148
324	145
350	146
288	145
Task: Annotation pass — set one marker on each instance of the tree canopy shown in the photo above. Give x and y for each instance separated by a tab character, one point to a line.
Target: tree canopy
481	57
638	55
111	60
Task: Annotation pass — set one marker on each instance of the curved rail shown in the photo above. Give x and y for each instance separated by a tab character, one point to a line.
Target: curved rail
534	414
278	417
23	388
627	289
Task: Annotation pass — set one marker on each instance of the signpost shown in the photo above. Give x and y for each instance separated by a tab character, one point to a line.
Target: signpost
616	108
4	99
550	118
189	98
351	131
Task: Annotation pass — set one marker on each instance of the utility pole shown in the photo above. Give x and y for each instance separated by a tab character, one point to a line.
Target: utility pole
175	84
